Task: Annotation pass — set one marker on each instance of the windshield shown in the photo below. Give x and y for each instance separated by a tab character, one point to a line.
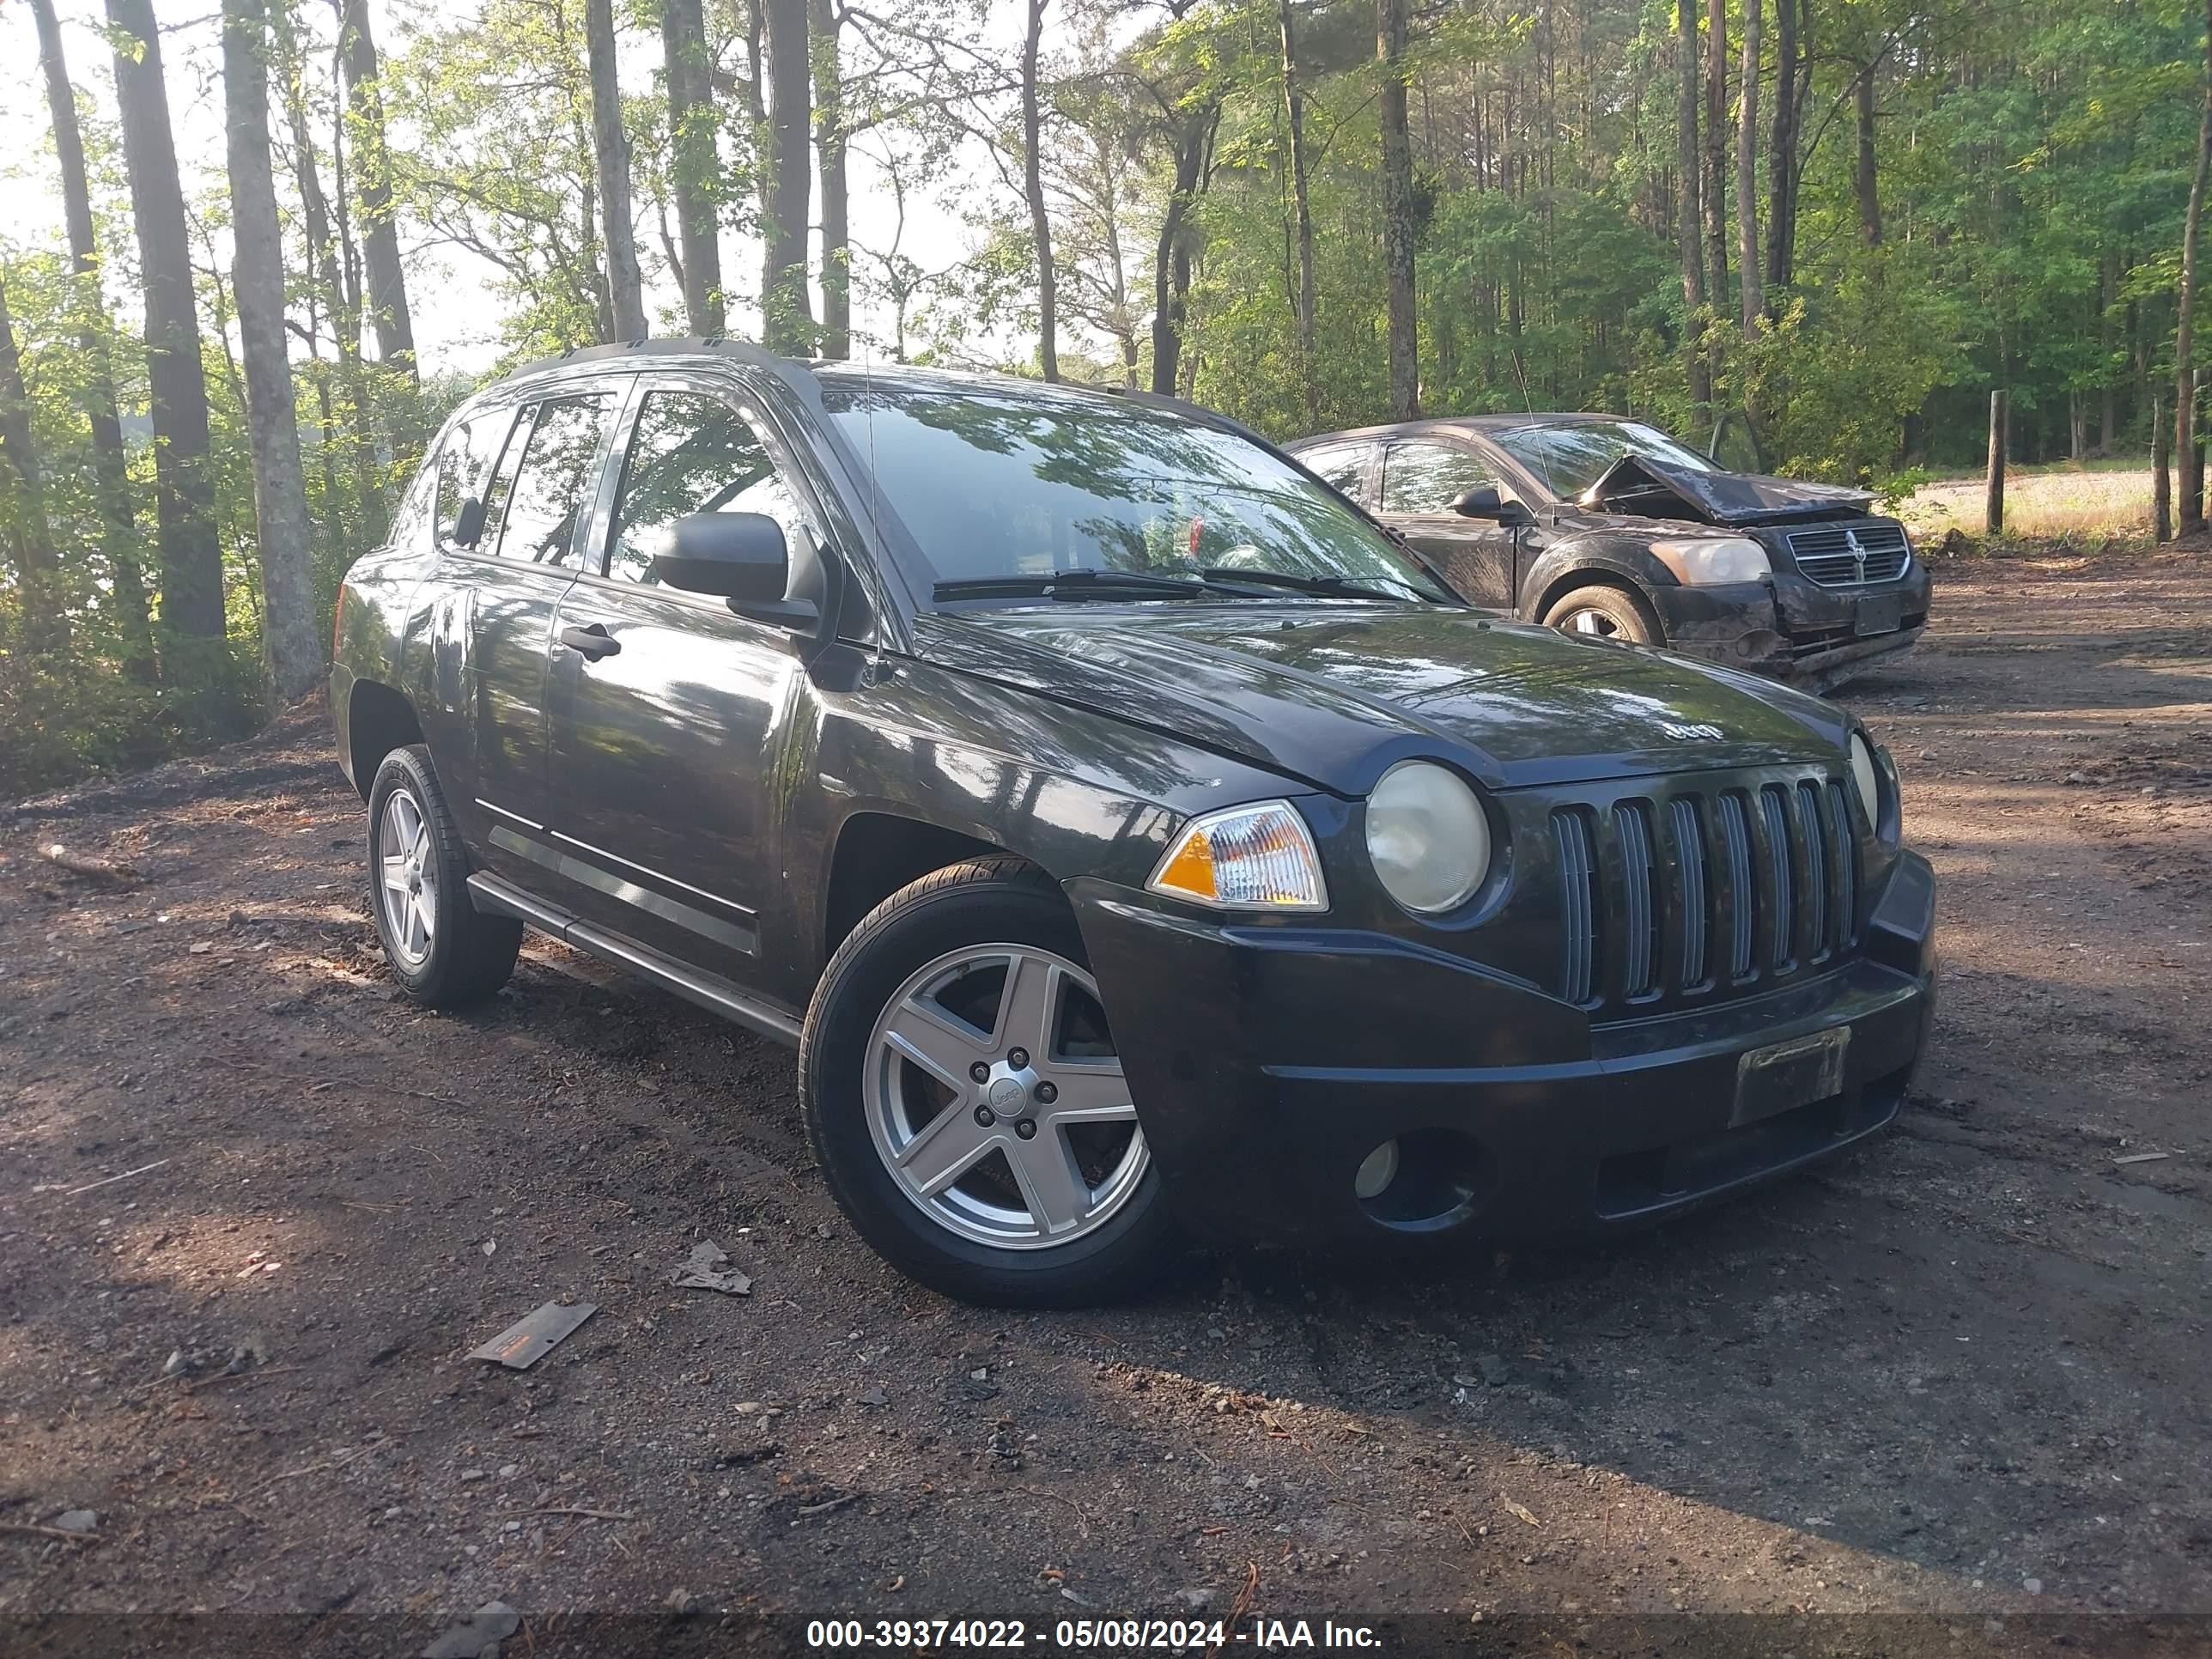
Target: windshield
1570	458
1005	485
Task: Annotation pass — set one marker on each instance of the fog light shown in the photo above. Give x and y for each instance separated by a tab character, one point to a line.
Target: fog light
1379	1171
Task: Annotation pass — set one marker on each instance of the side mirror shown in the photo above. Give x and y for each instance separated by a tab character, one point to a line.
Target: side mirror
1483	501
738	556
468	522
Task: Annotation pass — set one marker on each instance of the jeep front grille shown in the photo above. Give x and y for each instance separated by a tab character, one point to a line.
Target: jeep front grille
1699	893
1852	554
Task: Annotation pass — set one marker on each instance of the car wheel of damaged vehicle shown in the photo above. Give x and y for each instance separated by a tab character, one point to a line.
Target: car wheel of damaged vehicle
1609	613
442	950
966	1102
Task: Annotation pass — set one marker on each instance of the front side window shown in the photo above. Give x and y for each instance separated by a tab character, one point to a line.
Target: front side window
1008	483
1569	458
555	485
1340	465
690	453
1429	478
464	459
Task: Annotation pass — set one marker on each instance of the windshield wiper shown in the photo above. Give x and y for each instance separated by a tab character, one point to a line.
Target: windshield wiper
1080	584
1349	587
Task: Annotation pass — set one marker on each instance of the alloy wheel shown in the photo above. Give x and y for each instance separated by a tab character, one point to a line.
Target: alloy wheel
1588	622
996	1100
407	877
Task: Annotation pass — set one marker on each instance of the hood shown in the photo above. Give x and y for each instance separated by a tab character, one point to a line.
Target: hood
1334	694
1646	488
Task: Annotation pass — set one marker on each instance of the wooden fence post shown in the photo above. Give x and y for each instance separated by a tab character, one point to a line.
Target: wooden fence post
1993	511
2161	481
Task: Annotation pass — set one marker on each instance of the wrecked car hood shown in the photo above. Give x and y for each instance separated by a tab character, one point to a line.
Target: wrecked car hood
1335	693
1643	487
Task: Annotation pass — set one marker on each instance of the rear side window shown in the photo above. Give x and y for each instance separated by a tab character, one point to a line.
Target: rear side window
464	460
690	453
1429	478
556	482
1339	466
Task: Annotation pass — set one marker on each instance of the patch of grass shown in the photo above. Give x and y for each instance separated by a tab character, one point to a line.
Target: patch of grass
2071	503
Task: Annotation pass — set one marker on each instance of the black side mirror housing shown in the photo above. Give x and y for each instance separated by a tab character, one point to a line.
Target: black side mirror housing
1483	501
468	522
741	557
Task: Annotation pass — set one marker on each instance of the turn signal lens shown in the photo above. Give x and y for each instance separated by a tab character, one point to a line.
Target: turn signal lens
1249	858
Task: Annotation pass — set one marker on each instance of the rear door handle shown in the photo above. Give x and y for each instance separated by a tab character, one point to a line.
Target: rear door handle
592	642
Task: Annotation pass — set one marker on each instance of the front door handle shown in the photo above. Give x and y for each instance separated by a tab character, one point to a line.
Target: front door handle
592	642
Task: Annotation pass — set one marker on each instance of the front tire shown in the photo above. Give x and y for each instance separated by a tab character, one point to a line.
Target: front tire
443	951
966	1103
1605	612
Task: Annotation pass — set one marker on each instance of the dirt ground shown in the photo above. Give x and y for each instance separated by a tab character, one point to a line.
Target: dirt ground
1962	1375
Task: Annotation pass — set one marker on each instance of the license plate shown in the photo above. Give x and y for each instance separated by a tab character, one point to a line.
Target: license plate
1880	613
1787	1075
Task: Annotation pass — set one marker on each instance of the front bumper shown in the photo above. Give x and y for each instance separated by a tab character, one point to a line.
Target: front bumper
1267	1062
1792	628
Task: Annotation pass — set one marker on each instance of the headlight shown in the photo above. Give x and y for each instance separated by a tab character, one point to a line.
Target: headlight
1428	836
1260	857
1701	561
1866	778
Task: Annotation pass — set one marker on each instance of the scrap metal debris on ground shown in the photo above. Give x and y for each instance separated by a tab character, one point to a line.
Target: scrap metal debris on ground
526	1342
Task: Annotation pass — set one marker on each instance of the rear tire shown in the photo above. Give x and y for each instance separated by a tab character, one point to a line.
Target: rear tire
1607	612
444	951
965	990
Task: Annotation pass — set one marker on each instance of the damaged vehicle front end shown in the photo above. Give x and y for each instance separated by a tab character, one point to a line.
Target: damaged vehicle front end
1596	524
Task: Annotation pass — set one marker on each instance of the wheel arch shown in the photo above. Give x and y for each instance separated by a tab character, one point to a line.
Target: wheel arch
877	853
379	719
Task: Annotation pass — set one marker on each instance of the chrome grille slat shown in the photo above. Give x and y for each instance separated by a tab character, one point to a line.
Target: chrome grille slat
1690	848
1577	878
1847	867
1816	868
1782	906
1640	933
1850	555
1735	833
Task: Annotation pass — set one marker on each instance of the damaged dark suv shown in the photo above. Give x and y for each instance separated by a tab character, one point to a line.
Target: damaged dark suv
1596	525
1133	840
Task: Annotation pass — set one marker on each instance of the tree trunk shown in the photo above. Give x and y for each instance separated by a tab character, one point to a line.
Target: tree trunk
610	152
1746	169
346	321
30	535
2161	478
380	231
788	312
1862	174
1398	210
1171	255
291	639
2108	318
1302	214
837	192
118	525
1717	149
695	163
1688	227
184	486
1033	188
2189	452
1782	158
